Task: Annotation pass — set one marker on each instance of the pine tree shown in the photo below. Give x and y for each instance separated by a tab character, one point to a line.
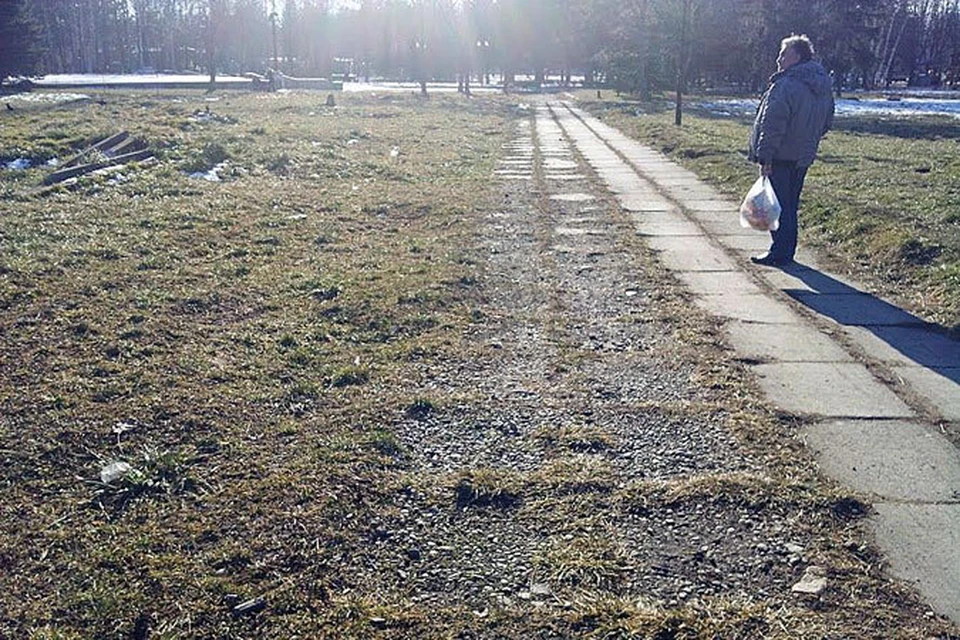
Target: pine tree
19	40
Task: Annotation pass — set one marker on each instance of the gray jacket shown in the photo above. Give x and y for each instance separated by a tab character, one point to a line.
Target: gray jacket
794	113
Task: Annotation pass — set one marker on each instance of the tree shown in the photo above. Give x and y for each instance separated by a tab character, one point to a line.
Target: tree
19	53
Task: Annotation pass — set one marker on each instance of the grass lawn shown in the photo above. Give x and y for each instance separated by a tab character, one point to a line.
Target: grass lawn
250	348
883	199
219	337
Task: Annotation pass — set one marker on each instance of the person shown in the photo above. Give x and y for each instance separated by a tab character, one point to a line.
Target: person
795	112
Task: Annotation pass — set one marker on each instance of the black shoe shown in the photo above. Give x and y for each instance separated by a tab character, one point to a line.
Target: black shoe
768	260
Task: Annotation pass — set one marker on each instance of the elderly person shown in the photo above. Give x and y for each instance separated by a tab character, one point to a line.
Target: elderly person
795	111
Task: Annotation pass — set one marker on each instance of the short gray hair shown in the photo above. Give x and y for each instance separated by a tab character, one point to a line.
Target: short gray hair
801	44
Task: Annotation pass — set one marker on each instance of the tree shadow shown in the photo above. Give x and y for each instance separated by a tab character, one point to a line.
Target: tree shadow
919	343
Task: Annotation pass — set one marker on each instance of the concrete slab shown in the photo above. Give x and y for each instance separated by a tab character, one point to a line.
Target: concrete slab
800	277
893	460
783	343
860	309
653	227
907	346
832	389
565	177
725	228
661	169
922	544
717	282
940	386
573	197
671	181
646	203
689	195
718	204
558	163
729	218
690	254
812	373
622	184
747	244
748	308
807	267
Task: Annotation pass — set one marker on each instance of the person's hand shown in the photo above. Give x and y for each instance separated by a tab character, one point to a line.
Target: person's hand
766	170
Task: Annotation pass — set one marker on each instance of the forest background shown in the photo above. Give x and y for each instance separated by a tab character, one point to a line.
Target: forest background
637	46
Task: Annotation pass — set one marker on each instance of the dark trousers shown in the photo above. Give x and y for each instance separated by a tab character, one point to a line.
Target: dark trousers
787	181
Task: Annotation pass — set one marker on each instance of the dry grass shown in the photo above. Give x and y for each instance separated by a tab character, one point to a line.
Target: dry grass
247	348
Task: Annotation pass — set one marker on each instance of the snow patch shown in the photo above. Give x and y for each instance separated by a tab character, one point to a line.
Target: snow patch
851	107
46	97
212	175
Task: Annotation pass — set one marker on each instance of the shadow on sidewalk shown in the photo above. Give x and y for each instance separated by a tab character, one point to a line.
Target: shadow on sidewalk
921	342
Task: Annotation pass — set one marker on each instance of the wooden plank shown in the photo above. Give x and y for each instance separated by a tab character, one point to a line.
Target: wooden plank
106	143
71	172
127	146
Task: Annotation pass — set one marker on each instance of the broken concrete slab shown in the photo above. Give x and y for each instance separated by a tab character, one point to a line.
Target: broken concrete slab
783	343
939	386
831	389
894	460
922	544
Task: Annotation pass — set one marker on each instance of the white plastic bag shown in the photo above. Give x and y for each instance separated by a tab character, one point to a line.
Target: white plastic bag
761	208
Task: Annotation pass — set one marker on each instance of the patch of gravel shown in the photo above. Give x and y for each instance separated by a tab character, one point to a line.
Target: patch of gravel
653	444
452	558
710	549
467	437
573	382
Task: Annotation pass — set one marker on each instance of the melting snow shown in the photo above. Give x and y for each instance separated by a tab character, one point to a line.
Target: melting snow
851	107
213	175
46	97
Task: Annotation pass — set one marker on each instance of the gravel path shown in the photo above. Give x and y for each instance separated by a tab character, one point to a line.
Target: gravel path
578	457
576	379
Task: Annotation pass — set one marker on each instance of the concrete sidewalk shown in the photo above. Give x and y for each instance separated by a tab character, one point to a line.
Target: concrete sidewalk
817	343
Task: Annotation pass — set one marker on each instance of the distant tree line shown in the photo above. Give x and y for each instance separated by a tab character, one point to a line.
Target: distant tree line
634	45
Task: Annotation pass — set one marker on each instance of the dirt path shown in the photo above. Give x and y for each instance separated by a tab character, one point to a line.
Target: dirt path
586	469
